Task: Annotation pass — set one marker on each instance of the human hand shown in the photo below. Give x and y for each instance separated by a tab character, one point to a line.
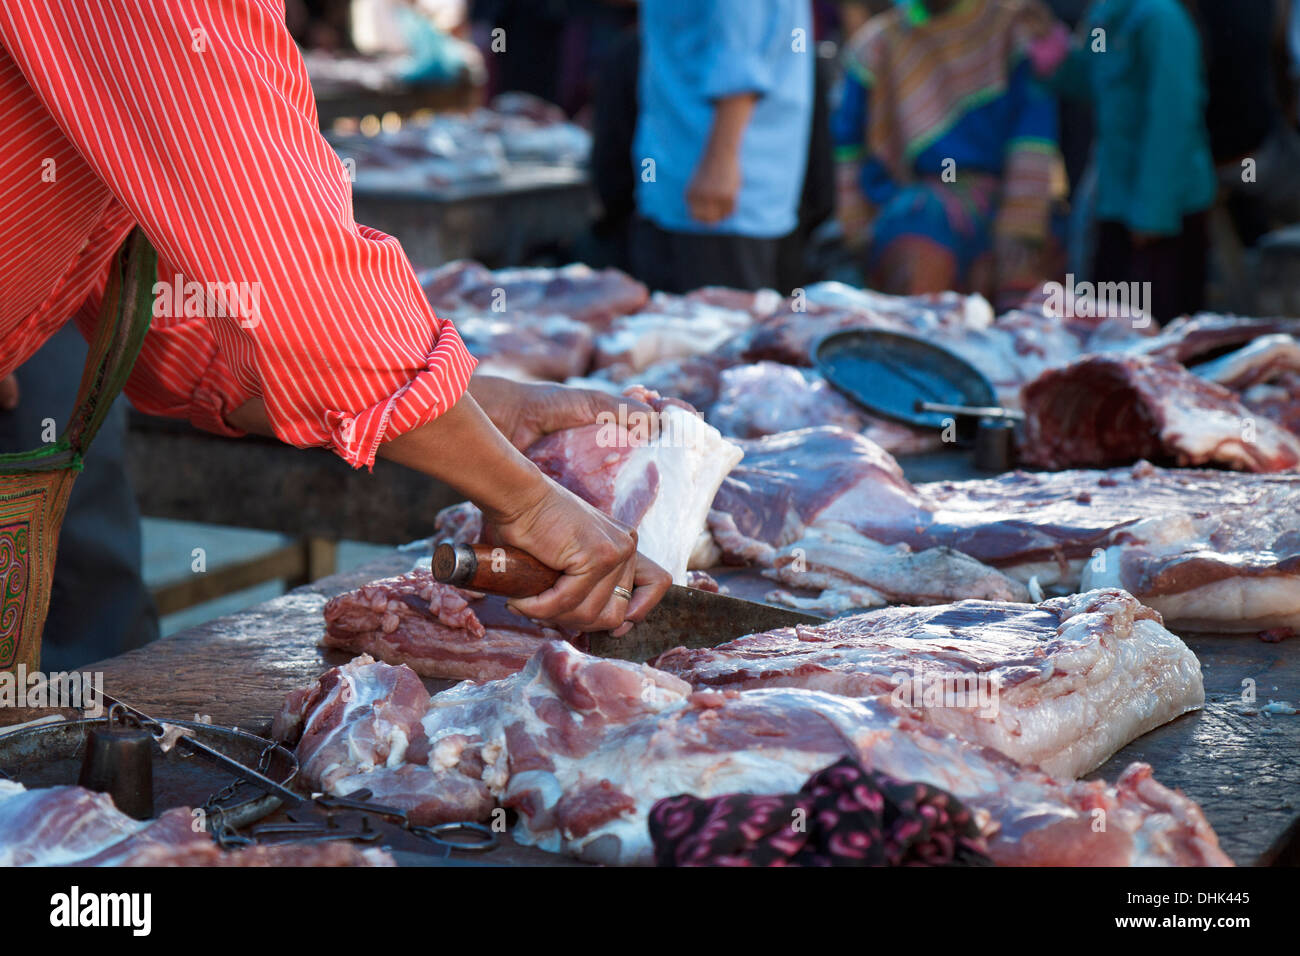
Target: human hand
8	393
714	188
594	552
524	412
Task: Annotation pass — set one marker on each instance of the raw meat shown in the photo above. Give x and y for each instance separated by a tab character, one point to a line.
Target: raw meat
668	328
581	748
526	348
832	556
787	481
767	397
72	826
693	380
435	629
1278	400
661	484
1061	685
1261	361
1210	550
1232	568
576	291
1106	410
789	333
1190	339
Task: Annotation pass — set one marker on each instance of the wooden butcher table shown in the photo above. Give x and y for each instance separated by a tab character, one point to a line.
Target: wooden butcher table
1240	764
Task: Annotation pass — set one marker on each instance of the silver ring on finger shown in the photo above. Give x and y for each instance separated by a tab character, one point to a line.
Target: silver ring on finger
623	592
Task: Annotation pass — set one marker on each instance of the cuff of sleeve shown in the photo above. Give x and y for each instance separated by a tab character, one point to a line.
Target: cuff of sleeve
731	77
356	437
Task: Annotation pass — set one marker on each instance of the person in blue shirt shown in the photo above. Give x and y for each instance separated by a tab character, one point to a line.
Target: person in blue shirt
1139	63
721	143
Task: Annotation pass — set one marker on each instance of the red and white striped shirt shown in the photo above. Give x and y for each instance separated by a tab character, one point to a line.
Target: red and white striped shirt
194	119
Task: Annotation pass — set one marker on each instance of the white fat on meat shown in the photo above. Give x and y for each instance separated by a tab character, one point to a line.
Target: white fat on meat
1234	568
1261	361
832	556
1062	685
1211	550
661	483
670	327
582	748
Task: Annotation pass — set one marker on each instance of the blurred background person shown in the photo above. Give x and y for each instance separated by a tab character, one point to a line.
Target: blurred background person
725	104
1140	64
957	145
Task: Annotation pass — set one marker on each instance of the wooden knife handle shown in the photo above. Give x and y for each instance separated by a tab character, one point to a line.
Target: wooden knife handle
492	569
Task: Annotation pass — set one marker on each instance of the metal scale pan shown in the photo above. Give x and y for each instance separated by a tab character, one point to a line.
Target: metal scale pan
50	755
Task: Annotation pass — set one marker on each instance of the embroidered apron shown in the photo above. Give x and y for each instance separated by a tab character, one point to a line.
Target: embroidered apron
34	485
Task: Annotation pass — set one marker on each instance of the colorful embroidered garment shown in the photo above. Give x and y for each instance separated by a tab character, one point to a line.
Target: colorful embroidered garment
956	136
34	485
843	816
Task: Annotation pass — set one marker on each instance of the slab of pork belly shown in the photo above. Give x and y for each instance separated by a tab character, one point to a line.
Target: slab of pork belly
1233	568
1061	685
583	747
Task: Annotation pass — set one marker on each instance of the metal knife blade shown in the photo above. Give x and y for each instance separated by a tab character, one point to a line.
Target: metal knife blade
689	617
686	617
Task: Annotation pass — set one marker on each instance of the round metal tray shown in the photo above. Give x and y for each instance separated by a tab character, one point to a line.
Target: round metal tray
50	755
889	372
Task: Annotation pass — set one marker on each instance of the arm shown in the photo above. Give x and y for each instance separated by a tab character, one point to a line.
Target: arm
712	192
737	74
202	124
475	448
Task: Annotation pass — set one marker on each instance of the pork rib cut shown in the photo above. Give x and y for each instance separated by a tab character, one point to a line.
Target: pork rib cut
581	748
1109	410
1061	685
435	629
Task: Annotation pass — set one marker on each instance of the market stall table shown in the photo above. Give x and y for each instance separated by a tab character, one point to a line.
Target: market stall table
499	222
1234	760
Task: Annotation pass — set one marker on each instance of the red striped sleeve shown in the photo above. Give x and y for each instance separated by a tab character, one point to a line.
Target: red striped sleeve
198	118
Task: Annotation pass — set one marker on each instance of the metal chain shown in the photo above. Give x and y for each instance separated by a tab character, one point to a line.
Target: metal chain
224	835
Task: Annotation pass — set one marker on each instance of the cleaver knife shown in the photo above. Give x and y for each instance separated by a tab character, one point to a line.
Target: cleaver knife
686	617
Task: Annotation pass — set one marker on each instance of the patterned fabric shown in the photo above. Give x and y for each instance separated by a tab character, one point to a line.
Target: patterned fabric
843	816
924	78
955	139
13	586
35	485
196	121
